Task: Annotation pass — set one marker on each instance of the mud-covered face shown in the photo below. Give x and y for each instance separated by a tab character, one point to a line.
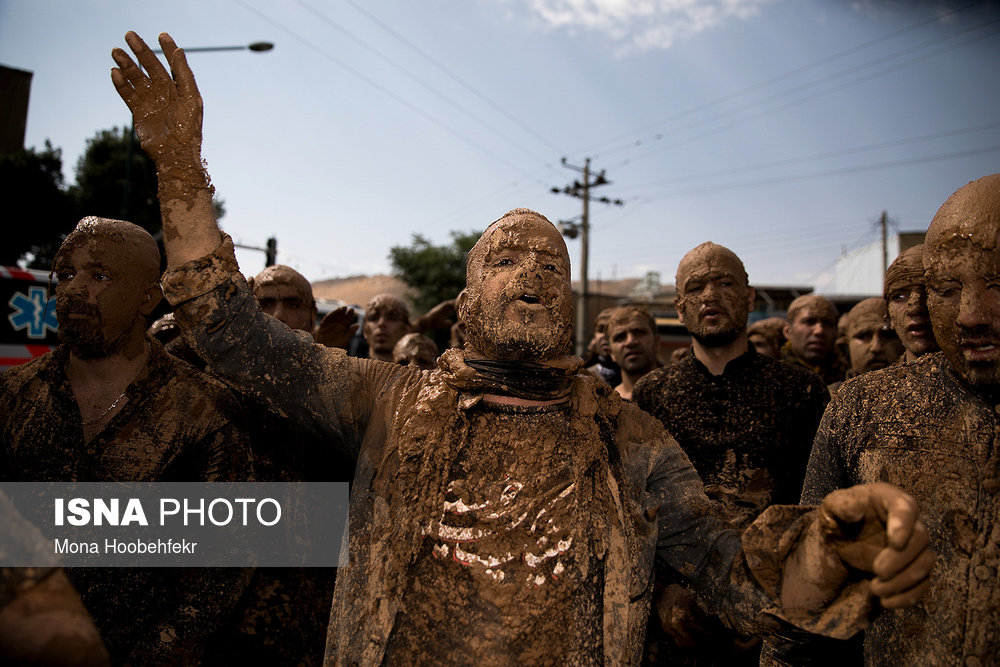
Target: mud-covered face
907	306
713	299
812	334
633	346
518	305
872	345
383	330
99	296
287	304
963	297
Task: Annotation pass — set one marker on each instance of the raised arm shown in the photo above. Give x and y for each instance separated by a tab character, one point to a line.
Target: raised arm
167	114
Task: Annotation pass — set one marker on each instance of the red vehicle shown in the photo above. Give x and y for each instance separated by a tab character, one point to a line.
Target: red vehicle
29	327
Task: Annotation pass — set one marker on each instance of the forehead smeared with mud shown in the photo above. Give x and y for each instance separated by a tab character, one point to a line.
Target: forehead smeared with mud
387	304
521	222
812	303
709	258
129	243
624	315
866	315
972	214
285	276
906	270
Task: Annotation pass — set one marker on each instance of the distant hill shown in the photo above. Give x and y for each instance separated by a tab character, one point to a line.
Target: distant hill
358	290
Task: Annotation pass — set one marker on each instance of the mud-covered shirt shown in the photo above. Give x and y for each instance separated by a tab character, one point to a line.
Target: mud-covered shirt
748	431
499	566
921	427
177	425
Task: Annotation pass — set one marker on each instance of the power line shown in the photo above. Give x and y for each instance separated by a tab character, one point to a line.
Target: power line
806	98
360	75
818	174
819	156
423	54
378	53
781	77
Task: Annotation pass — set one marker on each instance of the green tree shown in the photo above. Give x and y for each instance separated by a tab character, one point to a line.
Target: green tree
106	186
114	179
38	206
435	273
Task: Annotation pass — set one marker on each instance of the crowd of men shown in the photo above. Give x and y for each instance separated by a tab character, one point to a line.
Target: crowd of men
775	494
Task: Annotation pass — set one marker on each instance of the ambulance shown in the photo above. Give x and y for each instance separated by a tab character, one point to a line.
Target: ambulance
28	327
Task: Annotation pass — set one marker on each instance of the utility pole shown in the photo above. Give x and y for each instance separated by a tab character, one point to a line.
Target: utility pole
885	245
571	230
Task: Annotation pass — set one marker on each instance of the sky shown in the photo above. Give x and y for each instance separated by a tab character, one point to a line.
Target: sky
778	128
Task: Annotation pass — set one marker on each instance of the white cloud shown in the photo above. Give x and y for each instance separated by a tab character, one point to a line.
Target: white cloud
638	25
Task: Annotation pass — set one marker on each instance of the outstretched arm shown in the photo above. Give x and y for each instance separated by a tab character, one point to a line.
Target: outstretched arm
167	114
873	528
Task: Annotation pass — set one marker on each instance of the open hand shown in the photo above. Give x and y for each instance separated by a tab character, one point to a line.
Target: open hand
337	328
166	107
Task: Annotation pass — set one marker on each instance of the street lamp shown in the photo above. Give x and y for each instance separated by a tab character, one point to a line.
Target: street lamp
253	46
257	47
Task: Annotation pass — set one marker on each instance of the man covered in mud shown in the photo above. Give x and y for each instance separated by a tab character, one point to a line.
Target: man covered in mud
811	334
415	349
872	343
506	507
906	299
634	345
931	427
285	294
601	364
747	423
111	404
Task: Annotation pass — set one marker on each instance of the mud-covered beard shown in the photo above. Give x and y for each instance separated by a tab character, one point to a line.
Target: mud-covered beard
85	336
491	334
718	338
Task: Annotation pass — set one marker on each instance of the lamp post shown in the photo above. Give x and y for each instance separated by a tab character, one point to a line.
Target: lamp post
257	47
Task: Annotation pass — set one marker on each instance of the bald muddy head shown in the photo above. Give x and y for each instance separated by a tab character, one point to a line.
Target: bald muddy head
906	299
714	297
284	293
517	304
108	272
415	349
962	270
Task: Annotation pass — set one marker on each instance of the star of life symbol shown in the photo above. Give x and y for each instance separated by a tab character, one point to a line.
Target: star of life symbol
33	311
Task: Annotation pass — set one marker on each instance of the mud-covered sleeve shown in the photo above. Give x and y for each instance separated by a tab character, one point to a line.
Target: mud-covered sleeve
328	394
692	540
825	471
740	577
